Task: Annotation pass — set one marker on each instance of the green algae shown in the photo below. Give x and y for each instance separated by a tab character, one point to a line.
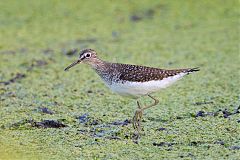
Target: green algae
36	37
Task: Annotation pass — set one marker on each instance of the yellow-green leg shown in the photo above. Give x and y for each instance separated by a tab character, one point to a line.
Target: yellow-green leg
139	114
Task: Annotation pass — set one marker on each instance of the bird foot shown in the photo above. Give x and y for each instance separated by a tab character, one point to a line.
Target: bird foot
135	137
137	118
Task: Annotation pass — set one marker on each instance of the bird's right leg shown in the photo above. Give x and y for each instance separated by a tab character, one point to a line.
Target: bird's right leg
137	118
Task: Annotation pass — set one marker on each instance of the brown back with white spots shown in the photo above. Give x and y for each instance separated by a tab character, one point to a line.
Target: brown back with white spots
135	73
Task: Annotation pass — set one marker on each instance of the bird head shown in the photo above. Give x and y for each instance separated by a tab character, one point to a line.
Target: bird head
88	56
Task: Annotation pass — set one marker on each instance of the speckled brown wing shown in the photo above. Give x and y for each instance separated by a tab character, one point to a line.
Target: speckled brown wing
135	73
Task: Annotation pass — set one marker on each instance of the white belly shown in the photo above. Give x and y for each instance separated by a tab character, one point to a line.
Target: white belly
136	89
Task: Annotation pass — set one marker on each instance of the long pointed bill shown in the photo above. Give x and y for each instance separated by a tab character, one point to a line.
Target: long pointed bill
71	65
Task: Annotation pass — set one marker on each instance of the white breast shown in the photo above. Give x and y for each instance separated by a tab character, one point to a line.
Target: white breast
136	89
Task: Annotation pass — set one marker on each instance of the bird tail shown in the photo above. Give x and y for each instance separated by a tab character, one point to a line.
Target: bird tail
190	70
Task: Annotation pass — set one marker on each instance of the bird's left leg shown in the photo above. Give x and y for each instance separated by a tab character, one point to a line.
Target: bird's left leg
139	114
154	104
137	118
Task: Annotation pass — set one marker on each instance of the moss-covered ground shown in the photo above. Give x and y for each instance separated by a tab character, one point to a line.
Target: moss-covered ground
46	113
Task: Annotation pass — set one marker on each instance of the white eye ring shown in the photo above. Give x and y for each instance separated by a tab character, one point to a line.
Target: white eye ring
88	55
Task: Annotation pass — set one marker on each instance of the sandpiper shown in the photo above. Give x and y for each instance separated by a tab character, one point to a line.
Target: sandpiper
132	80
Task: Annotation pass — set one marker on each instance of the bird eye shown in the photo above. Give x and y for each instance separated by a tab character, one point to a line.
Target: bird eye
88	55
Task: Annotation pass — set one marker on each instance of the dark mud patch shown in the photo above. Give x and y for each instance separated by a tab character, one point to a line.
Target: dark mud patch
187	155
37	63
48	51
45	110
203	103
161	129
83	118
26	123
198	143
157	119
167	144
234	148
135	17
16	78
121	123
195	144
48	124
220	142
100	131
87	120
70	52
139	16
224	113
204	114
97	129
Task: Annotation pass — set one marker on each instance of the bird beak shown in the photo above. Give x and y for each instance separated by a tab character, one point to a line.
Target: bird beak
73	64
